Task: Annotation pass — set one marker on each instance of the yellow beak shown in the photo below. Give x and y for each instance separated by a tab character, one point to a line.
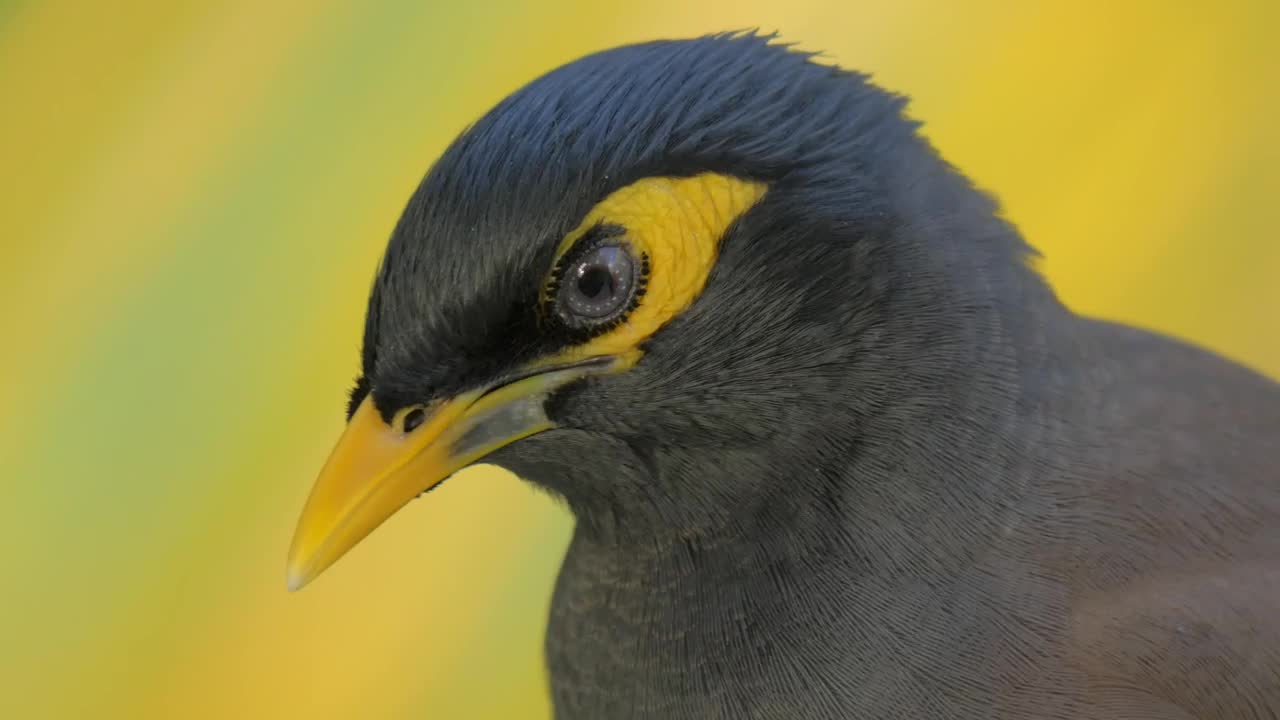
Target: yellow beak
376	469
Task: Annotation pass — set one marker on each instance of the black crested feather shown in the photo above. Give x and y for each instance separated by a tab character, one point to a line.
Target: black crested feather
357	395
447	309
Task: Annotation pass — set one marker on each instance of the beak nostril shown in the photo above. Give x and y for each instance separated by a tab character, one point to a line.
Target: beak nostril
413	419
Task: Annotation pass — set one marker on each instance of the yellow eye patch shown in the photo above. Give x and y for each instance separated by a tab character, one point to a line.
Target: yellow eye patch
676	223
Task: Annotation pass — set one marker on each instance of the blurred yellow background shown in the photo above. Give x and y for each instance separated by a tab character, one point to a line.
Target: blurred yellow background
194	199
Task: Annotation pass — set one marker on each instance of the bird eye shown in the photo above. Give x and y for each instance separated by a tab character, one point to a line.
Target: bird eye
597	287
408	419
414	419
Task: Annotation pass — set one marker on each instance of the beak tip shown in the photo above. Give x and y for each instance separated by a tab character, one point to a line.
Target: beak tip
296	579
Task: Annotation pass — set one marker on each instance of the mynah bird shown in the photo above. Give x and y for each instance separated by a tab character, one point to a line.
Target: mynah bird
834	448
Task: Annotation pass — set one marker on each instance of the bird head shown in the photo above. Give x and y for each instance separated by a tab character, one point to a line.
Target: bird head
669	282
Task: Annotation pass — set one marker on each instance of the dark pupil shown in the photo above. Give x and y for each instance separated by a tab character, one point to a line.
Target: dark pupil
595	283
598	286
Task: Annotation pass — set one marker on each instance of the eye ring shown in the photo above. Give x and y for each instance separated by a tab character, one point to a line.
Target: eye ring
598	282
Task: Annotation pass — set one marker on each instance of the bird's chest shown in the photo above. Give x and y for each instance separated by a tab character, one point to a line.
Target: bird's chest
614	654
671	646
